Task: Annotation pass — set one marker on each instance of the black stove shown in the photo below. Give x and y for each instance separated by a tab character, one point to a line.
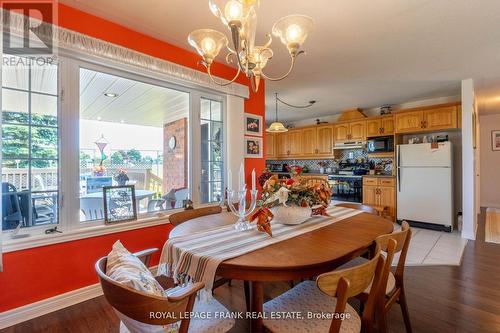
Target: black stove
347	183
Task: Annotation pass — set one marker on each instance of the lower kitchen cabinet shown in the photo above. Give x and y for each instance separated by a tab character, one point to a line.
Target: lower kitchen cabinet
380	191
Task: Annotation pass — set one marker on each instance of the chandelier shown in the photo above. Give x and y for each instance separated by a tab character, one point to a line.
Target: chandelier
240	17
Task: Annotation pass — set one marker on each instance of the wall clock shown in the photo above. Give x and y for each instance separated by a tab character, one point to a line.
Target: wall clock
172	142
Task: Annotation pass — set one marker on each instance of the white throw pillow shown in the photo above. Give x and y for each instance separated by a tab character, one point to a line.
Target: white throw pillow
127	269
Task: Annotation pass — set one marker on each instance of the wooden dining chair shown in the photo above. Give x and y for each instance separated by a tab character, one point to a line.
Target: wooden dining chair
329	295
177	218
136	306
394	290
392	285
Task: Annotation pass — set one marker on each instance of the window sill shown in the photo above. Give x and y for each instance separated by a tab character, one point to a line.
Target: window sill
11	245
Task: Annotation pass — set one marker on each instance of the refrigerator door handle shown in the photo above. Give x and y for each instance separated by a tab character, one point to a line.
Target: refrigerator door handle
399	179
399	156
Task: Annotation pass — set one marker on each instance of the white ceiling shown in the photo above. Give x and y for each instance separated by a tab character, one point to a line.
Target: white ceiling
362	53
137	103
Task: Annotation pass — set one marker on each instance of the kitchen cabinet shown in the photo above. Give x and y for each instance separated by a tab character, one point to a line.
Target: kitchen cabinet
380	126
295	143
304	143
380	191
270	145
309	141
357	130
341	132
441	118
289	144
408	122
354	130
324	140
282	144
435	118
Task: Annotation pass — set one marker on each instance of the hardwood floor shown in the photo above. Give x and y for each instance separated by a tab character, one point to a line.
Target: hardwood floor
440	299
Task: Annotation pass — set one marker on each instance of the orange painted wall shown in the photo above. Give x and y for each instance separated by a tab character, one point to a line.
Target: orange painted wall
35	274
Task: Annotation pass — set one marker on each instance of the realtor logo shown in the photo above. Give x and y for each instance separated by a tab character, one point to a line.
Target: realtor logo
34	38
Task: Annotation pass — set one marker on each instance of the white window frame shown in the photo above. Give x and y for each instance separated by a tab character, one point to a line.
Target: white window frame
70	63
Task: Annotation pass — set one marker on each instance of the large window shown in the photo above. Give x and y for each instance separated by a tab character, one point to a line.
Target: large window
30	143
72	128
132	133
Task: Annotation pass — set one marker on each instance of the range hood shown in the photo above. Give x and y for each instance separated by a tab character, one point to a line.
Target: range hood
350	145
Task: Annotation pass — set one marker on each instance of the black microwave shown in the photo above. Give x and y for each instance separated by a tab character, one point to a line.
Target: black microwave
381	145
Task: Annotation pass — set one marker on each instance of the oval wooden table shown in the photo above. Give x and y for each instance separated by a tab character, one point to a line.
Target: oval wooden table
307	255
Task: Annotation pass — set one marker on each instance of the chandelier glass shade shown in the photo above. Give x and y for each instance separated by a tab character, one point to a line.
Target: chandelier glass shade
240	17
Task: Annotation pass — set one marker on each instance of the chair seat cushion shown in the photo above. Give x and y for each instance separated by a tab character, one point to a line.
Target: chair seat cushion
311	303
125	268
391	280
216	323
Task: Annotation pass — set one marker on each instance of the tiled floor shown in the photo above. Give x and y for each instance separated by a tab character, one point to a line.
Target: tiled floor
429	247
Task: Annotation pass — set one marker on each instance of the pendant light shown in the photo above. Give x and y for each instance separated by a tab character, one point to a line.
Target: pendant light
276	127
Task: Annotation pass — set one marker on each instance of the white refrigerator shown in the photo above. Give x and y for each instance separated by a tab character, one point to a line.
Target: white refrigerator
425	184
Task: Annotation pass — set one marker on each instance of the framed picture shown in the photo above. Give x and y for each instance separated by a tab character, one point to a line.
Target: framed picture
253	147
119	203
253	124
495	140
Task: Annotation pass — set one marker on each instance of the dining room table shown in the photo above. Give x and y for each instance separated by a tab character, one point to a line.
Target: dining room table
301	257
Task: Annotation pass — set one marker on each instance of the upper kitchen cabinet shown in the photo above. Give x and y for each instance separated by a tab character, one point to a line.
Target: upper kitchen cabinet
309	141
408	122
441	118
324	140
282	146
289	144
295	138
357	130
354	130
341	132
380	126
433	118
270	145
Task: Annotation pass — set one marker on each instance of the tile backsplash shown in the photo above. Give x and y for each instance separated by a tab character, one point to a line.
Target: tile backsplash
312	165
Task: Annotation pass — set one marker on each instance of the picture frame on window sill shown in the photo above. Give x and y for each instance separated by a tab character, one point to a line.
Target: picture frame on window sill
119	204
253	124
253	147
495	140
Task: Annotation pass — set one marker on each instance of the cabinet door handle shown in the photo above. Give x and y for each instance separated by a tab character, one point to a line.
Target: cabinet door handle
383	130
425	123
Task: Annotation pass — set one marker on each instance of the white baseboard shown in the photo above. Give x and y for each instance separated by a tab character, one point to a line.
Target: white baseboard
48	305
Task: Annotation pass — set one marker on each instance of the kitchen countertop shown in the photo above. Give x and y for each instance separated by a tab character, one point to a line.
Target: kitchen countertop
380	176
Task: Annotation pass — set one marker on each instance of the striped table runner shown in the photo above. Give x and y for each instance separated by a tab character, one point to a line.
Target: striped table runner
197	256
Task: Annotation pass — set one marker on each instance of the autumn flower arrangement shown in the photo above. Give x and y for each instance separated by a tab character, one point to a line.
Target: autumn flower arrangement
276	193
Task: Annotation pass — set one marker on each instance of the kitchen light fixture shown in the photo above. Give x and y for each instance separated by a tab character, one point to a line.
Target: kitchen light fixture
240	16
276	127
110	94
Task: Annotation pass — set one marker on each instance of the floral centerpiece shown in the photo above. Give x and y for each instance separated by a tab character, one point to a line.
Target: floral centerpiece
288	201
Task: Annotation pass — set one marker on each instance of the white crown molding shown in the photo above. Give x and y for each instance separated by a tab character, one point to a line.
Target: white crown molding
52	304
76	42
